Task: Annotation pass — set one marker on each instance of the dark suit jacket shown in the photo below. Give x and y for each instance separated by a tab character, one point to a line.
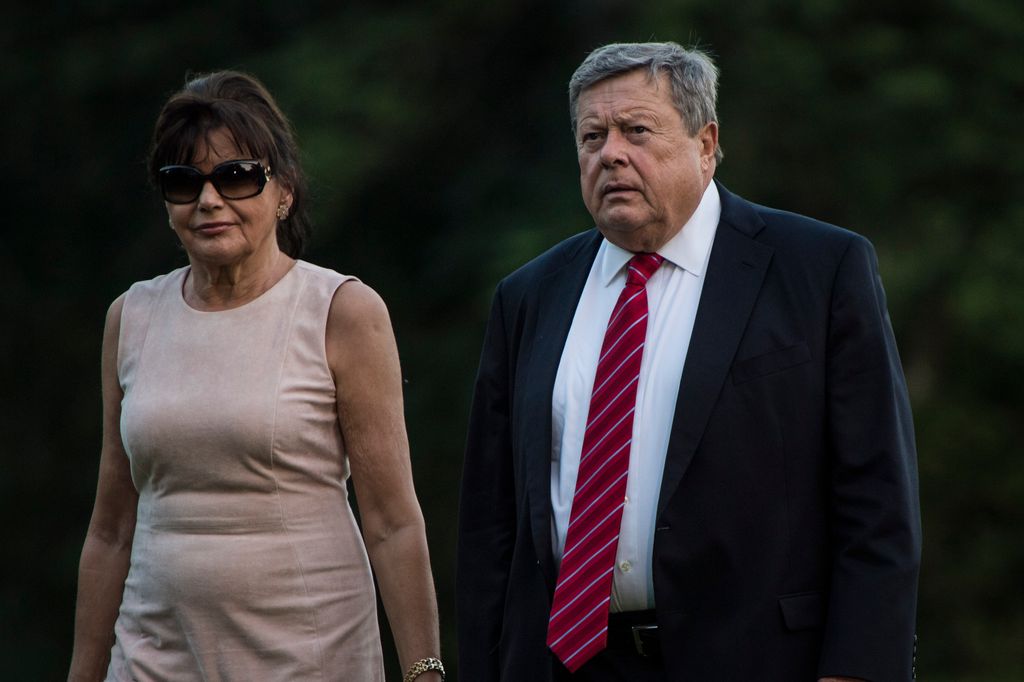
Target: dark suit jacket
787	541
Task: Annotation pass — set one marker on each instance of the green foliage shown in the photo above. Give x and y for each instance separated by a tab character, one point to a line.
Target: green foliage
436	137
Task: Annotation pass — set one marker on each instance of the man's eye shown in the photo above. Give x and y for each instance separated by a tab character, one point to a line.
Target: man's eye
638	130
591	136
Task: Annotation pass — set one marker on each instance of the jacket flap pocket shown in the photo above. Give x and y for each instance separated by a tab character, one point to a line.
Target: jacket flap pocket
802	611
768	363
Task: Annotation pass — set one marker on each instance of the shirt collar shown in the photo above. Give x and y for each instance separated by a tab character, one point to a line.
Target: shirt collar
689	249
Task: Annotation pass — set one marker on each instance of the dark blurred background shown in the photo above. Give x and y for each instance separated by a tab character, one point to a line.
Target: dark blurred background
436	135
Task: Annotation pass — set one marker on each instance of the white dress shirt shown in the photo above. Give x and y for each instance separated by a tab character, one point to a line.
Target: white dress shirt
673	293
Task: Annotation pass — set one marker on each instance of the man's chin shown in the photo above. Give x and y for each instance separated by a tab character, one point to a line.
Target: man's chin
635	240
619	223
633	235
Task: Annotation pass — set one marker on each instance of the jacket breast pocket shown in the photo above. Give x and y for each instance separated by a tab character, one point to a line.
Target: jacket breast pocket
802	611
770	363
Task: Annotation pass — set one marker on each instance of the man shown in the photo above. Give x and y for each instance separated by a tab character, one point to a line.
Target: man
690	454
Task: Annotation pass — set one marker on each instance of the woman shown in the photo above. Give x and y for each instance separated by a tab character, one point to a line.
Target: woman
239	392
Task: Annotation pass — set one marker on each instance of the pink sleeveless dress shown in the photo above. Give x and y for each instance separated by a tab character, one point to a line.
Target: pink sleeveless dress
247	564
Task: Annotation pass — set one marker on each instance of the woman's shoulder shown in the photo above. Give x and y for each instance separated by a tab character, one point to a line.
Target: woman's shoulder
315	272
351	306
151	288
358	325
321	286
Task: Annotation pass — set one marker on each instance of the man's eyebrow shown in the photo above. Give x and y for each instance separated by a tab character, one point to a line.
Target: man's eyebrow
627	117
635	114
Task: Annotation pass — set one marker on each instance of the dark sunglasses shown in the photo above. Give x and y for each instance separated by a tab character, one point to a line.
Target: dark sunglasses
232	180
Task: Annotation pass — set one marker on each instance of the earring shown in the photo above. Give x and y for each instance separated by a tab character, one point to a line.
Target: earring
282	210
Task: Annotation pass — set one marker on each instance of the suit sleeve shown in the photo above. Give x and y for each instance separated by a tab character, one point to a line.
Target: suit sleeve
486	509
876	527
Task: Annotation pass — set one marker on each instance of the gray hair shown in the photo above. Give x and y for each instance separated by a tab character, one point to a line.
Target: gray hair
691	73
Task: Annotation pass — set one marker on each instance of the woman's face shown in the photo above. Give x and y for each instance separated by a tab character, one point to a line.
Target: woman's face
216	231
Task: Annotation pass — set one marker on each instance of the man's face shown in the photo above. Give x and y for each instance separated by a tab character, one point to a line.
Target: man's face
641	174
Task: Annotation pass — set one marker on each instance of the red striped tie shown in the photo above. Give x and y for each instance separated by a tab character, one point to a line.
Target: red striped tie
578	627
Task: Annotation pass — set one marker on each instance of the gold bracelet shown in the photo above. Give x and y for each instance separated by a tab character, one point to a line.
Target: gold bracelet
424	665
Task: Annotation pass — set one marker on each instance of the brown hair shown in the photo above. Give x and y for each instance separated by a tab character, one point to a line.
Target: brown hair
241	104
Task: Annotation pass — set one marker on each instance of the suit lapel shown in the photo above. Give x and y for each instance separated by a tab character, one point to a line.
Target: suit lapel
736	269
557	296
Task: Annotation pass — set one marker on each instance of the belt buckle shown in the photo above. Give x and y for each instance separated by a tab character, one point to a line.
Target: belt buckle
638	642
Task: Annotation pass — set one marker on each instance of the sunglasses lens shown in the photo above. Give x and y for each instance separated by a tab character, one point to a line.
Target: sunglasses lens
180	184
232	180
239	179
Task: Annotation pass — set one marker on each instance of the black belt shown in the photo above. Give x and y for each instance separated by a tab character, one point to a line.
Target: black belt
635	632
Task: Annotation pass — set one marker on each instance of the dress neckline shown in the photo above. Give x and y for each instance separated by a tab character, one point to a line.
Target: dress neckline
268	294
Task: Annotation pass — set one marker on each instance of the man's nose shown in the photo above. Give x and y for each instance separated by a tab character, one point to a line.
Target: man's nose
614	149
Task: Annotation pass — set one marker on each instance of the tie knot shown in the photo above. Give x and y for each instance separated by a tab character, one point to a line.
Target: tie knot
641	267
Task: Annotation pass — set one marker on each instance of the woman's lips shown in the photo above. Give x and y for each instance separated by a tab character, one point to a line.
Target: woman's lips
212	228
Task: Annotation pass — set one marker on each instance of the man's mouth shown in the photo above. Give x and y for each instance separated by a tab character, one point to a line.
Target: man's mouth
616	187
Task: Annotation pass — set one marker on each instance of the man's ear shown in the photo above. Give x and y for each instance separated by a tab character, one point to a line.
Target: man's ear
708	137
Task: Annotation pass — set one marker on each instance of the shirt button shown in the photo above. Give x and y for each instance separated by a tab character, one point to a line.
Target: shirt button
626	500
625	566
